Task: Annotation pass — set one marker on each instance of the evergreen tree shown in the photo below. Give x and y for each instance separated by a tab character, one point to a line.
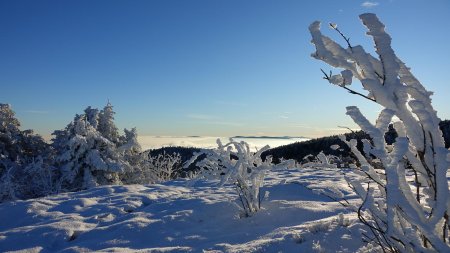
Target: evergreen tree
106	124
19	152
10	152
92	116
86	157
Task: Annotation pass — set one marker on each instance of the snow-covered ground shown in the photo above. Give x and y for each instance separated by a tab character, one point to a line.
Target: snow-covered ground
179	217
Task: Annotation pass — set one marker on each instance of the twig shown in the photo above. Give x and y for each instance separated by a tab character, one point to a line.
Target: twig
334	27
328	77
348	128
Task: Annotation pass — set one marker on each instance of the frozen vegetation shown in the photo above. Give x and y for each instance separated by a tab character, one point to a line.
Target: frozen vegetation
402	215
95	189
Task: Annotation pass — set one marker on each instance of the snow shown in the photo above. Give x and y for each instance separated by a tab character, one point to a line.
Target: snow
297	216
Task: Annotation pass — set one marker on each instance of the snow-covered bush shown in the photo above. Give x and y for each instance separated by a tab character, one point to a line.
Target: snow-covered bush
403	216
235	163
145	168
40	178
164	166
148	169
320	161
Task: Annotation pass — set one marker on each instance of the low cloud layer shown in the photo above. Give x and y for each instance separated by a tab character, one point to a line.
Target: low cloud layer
368	4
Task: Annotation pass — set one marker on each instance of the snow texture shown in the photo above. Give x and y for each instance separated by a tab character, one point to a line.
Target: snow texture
174	217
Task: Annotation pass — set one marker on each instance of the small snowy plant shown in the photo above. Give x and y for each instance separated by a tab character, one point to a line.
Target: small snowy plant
164	166
403	215
235	163
154	169
320	161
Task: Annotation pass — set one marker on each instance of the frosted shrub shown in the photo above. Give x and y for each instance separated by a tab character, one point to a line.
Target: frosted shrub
44	178
320	161
317	247
235	163
9	189
164	166
156	169
144	168
403	216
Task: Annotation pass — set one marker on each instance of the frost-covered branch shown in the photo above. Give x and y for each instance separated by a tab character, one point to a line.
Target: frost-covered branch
403	216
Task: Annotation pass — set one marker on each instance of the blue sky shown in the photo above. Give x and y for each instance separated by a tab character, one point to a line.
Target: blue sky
210	67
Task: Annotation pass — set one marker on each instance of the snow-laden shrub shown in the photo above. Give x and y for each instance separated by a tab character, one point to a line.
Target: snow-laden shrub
164	166
235	163
9	189
153	169
145	168
320	161
403	216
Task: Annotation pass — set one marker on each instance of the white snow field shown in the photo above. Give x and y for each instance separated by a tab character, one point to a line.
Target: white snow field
180	217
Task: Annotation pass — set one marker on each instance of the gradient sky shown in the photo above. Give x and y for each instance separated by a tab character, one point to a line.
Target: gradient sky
210	67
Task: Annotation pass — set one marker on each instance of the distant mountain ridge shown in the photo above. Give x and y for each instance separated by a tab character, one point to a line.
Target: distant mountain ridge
299	150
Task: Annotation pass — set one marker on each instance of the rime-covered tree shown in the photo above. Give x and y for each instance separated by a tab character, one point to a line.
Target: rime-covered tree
19	151
132	153
10	136
106	125
92	116
85	157
403	185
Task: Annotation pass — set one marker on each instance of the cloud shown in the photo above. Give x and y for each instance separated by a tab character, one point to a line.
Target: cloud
368	4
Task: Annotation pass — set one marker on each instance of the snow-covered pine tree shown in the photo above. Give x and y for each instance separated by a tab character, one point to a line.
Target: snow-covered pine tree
92	116
106	125
10	151
20	150
132	153
406	203
85	157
